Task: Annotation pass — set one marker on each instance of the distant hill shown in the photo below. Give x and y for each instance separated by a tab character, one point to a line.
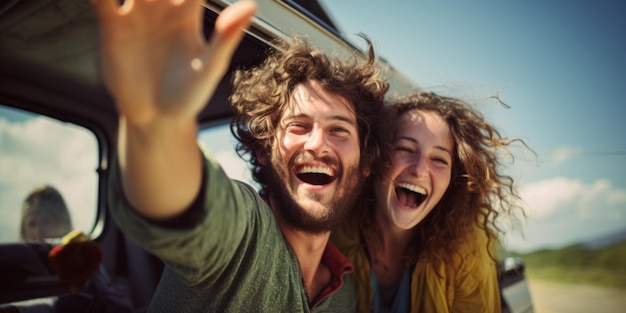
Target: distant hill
580	255
601	261
605	241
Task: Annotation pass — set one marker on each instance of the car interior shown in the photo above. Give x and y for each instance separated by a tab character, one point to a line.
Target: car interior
58	126
49	56
50	74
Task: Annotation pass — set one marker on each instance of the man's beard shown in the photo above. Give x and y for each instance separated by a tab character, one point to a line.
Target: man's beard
349	186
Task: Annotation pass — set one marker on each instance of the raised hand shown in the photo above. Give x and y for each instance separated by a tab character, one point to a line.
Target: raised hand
161	73
155	59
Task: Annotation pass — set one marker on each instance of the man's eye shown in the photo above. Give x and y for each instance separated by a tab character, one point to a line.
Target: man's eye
296	126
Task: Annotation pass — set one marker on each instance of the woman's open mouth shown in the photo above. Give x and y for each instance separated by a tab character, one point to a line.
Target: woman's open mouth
410	195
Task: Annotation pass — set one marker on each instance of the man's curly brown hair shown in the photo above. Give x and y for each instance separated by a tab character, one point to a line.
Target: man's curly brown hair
263	93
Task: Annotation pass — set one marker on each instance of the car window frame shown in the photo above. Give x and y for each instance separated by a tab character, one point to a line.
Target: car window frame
102	145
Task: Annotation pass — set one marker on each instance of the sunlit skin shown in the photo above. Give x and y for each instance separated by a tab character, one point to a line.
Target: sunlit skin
422	163
316	175
318	156
161	78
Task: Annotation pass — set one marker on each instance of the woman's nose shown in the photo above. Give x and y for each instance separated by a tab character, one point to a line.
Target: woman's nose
419	165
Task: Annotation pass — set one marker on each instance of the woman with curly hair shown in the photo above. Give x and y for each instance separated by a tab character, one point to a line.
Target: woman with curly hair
425	243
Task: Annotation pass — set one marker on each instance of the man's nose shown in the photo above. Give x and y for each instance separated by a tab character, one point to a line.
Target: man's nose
317	141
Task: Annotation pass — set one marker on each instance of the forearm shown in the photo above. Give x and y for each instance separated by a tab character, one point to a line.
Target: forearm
160	166
161	80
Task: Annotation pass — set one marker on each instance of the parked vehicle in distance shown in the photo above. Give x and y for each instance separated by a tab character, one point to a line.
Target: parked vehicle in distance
58	127
516	296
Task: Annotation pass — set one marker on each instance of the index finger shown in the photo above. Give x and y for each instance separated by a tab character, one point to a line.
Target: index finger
228	32
106	8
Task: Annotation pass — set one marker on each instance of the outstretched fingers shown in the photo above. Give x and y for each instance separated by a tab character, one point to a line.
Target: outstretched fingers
155	60
106	8
227	34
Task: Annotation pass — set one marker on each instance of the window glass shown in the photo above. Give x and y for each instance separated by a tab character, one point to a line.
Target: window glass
219	140
48	177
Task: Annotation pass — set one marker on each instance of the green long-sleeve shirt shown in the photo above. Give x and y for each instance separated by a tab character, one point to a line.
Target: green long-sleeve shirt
227	254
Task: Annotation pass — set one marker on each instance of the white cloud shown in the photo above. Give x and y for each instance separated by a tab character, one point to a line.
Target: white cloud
563	211
545	197
561	155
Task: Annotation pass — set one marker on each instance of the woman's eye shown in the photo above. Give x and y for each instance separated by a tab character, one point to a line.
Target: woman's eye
404	149
441	161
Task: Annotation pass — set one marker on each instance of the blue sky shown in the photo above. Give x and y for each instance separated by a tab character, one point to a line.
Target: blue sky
560	65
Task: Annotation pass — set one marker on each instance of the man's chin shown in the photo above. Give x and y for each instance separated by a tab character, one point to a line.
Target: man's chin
314	209
312	216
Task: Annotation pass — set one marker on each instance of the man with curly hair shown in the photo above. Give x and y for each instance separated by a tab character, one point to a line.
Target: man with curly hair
310	125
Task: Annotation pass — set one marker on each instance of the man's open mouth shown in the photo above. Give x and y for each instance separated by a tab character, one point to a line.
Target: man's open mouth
410	195
315	175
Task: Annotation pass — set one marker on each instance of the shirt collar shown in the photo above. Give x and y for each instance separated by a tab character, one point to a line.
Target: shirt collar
338	266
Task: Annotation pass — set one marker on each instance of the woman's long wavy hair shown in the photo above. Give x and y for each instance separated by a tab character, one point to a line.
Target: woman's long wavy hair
478	194
263	93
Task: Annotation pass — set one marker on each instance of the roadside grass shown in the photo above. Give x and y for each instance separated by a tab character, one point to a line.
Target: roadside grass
579	264
612	278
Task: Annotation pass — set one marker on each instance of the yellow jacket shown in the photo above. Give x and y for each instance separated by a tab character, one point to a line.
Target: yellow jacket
468	283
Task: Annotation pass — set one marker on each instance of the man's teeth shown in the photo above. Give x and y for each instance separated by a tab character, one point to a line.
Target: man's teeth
315	170
413	188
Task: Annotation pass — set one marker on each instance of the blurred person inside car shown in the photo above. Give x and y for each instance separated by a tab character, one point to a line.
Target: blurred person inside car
44	215
308	123
423	238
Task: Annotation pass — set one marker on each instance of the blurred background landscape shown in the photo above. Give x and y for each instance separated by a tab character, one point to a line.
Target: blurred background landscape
600	262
